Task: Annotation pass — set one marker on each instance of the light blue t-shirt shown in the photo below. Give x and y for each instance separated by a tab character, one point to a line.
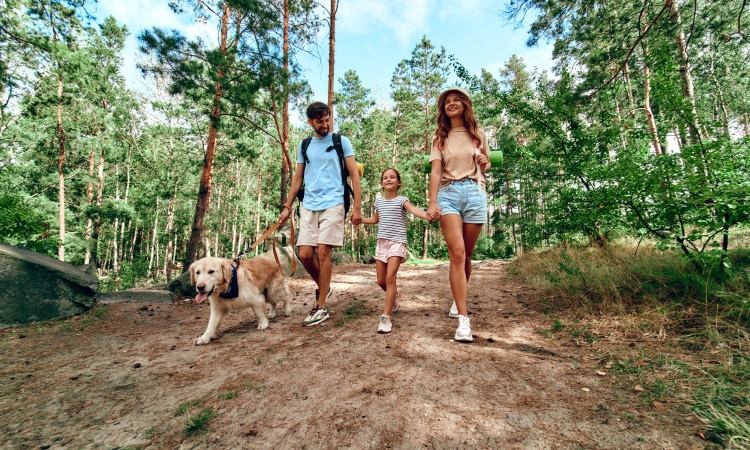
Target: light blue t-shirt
323	186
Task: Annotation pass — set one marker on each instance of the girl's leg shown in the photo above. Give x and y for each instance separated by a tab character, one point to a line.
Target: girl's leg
452	227
390	280
470	234
380	269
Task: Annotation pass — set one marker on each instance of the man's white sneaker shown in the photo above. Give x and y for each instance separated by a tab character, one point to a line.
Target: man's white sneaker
463	332
453	312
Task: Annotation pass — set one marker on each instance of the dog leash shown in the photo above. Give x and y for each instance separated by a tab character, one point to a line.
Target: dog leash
265	235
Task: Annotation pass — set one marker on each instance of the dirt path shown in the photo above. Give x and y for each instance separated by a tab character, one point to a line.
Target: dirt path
133	378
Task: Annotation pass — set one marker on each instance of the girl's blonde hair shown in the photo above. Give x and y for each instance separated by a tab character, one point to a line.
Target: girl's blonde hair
444	122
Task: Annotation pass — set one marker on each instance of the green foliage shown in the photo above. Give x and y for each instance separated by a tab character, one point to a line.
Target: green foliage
24	226
623	278
199	423
724	401
353	312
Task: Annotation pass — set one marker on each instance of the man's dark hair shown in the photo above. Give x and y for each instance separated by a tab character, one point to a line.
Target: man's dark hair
316	110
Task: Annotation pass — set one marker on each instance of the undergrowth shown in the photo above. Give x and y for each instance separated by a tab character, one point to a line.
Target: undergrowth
646	292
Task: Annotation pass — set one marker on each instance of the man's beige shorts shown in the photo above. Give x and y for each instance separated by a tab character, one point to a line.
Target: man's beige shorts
321	227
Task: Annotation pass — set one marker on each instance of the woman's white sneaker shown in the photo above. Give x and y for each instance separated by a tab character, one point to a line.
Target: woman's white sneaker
453	312
463	332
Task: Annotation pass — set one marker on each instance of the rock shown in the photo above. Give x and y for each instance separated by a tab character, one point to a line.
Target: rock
181	286
38	288
340	258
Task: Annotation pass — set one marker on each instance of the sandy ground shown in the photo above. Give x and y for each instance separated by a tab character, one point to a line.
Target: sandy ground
130	377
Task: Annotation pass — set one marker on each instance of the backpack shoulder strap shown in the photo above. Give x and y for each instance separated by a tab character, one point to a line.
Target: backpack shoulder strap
338	146
305	144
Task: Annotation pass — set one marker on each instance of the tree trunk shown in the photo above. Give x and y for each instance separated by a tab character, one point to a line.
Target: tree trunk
686	75
168	229
115	229
90	201
98	218
204	191
60	171
258	200
647	109
155	232
332	55
287	165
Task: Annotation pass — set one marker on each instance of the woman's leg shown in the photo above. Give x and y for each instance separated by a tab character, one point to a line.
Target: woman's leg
452	227
470	235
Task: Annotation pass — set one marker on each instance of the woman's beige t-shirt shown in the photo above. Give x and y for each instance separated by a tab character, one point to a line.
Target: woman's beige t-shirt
458	156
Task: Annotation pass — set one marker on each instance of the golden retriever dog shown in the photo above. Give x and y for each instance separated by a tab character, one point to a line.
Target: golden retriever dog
253	284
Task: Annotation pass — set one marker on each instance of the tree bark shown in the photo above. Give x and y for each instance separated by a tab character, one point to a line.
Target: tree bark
60	171
98	218
90	201
686	75
647	108
332	55
204	191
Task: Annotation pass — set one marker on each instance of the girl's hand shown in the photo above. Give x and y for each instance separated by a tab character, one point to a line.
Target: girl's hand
433	213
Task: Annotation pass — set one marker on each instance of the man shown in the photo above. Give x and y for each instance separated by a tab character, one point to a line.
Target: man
322	215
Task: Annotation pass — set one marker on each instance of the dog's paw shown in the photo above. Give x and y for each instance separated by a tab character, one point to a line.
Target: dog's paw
287	309
272	312
262	325
203	340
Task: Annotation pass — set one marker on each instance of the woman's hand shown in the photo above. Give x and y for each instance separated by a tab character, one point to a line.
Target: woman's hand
483	161
433	213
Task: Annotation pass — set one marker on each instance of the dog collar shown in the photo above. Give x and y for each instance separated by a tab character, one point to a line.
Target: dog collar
233	291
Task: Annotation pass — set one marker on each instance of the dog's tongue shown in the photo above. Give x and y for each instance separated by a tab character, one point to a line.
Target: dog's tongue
200	297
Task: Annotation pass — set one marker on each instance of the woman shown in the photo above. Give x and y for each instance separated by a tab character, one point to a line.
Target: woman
459	158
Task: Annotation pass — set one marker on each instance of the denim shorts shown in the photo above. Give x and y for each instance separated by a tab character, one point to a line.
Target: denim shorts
465	198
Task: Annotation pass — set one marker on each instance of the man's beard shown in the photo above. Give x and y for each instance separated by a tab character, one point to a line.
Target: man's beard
323	133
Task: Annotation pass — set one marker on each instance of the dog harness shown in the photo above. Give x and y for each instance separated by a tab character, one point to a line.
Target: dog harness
233	291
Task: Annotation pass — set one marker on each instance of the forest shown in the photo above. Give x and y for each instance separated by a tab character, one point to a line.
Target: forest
641	132
639	135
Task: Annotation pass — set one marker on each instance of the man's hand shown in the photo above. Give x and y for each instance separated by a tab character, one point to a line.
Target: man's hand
356	215
286	211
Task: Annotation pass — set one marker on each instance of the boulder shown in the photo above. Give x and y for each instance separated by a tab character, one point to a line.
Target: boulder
37	288
181	286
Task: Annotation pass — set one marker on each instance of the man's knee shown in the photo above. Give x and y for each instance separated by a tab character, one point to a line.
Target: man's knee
306	254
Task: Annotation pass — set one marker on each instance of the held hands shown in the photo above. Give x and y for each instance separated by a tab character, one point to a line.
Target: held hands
356	216
433	213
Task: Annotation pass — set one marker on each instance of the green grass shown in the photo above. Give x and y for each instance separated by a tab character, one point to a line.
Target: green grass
199	423
353	312
695	324
724	402
228	395
423	262
186	406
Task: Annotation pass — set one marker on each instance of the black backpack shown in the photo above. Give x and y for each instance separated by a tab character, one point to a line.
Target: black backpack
344	173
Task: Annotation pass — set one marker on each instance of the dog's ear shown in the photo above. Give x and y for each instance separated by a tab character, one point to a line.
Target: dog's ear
226	267
192	274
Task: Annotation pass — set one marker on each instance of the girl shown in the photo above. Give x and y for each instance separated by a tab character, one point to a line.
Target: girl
459	158
390	213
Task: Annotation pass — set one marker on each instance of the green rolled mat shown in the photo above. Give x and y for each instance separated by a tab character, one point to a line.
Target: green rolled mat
496	158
